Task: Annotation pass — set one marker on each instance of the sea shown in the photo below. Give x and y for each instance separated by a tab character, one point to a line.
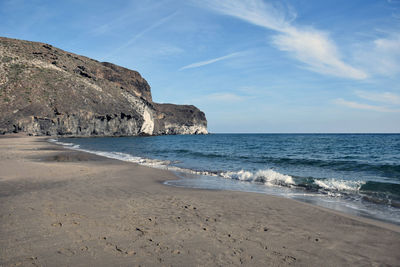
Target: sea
357	174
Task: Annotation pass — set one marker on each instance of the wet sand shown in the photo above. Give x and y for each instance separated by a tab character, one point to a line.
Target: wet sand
65	208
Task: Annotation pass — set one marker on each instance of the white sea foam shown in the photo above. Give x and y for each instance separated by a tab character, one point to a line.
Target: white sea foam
268	177
339	185
154	163
68	145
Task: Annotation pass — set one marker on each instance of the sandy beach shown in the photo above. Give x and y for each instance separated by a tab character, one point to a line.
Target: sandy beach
60	207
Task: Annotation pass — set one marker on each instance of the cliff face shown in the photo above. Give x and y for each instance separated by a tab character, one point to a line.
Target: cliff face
47	91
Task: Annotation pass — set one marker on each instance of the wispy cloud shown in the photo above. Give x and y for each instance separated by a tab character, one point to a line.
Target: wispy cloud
317	51
357	105
311	46
127	15
210	61
256	12
382	56
140	34
110	25
383	102
166	50
225	97
386	97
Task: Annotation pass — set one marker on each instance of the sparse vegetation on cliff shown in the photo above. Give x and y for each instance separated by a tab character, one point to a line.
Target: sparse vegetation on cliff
47	91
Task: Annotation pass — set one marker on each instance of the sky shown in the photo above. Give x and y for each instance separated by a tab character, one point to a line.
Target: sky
253	66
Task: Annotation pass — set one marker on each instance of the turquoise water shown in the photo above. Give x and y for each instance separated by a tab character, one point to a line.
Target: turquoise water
354	173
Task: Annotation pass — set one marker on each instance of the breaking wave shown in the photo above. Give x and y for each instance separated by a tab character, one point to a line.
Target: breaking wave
377	192
268	177
339	185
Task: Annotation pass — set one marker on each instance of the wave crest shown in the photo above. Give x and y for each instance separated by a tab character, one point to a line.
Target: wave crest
269	177
339	185
377	191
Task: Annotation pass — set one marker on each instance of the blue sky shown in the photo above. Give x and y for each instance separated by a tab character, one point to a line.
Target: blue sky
250	65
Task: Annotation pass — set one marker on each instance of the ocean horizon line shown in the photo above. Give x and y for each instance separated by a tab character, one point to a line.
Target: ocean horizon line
354	133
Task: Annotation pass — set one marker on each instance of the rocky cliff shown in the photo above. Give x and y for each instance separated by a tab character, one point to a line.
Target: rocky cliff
47	91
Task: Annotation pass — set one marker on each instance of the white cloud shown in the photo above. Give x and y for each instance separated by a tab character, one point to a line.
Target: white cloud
382	56
220	98
165	49
129	13
386	97
110	26
225	97
317	51
256	12
357	105
383	102
308	45
210	61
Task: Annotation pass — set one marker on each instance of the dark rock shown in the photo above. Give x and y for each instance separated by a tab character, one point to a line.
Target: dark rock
84	97
47	46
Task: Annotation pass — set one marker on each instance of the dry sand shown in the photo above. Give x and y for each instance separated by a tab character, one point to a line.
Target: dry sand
66	208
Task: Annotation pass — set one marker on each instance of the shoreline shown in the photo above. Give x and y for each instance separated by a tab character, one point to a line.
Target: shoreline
339	205
66	207
366	219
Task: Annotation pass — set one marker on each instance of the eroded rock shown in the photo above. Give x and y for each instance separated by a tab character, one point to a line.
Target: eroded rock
47	91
